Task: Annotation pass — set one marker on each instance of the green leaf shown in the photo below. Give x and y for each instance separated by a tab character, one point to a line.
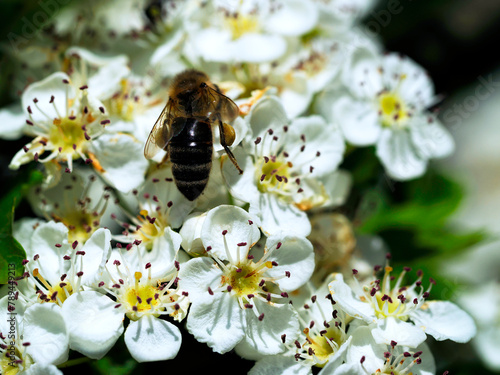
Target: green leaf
414	218
107	366
11	252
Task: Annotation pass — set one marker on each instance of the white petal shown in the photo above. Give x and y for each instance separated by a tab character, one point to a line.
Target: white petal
5	305
23	229
334	361
93	322
213	45
431	139
337	186
403	333
160	184
107	80
152	339
97	249
45	330
296	93
242	186
277	364
358	120
258	48
217	322
264	335
191	233
321	138
295	255
197	275
161	256
294	18
363	345
43	242
349	369
416	87
42	369
94	59
487	344
277	216
21	157
42	91
267	113
349	302
444	320
122	159
361	72
399	156
164	51
240	229
12	122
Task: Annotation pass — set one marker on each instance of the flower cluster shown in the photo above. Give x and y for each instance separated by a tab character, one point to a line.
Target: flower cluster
261	263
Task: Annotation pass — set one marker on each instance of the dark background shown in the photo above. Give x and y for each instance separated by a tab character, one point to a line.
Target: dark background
455	40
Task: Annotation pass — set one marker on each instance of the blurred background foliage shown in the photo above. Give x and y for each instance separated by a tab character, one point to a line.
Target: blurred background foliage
457	42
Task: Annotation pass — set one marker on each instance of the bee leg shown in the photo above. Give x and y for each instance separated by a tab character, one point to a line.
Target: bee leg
224	143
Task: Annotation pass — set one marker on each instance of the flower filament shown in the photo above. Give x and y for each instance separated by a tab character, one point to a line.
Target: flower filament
397	301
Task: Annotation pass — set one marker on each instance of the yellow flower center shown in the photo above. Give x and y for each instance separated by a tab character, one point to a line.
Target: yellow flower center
150	227
67	135
322	345
7	363
244	280
314	64
392	110
55	293
392	305
123	104
273	174
239	24
80	225
140	298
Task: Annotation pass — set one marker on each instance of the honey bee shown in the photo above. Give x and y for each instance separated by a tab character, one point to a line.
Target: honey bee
184	130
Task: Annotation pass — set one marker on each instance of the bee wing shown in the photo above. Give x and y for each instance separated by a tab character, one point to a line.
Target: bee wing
161	133
221	104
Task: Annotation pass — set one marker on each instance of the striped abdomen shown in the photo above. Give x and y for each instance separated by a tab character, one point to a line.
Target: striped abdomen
191	156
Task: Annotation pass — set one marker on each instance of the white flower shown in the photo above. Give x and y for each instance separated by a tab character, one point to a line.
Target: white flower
135	105
56	268
31	340
67	122
63	120
119	159
402	313
386	104
102	75
167	36
79	201
338	16
160	208
287	167
323	340
483	303
235	299
95	18
12	122
141	286
247	31
366	357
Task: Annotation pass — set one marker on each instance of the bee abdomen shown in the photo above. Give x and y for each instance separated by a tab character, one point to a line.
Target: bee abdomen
191	156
